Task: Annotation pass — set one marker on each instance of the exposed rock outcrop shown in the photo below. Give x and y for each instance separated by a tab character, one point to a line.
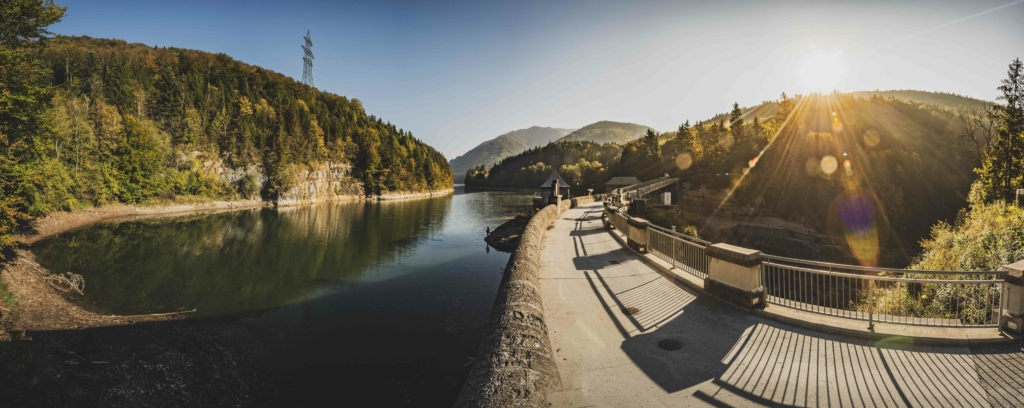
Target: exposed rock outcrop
326	182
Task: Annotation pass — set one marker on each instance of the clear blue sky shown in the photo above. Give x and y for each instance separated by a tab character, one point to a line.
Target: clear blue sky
458	73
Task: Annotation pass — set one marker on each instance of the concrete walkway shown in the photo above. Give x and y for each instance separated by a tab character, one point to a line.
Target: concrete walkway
729	357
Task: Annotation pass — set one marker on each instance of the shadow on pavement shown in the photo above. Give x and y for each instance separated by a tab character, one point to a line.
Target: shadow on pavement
765	362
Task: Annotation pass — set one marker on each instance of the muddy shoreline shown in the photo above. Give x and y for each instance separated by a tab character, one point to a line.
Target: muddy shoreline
67	220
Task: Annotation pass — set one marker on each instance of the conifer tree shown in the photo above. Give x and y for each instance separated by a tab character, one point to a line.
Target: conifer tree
1002	171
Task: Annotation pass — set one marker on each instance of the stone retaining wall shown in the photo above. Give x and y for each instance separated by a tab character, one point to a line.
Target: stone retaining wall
515	365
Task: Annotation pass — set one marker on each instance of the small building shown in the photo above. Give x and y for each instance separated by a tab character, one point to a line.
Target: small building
554	177
619	182
551	190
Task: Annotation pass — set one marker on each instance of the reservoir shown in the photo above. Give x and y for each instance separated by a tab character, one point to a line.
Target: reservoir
364	304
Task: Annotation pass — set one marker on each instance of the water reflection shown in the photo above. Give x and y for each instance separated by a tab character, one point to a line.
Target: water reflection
249	260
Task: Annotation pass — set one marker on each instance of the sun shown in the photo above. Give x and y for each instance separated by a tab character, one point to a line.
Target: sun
821	71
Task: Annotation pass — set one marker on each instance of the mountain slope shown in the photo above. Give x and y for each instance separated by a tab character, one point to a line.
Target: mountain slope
874	174
948	100
492	151
146	122
606	132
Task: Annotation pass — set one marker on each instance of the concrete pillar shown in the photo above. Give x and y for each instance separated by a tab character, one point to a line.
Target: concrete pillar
1012	319
555	197
636	238
735	275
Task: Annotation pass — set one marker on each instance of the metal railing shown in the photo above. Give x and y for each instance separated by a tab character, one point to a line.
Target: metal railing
889	295
638	190
681	250
931	298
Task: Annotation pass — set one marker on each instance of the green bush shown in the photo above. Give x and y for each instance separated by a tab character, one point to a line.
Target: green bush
249	186
986	237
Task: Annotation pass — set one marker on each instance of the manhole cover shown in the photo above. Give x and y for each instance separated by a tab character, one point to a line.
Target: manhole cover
670	345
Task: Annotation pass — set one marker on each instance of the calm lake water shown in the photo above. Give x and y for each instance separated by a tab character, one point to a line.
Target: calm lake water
363	304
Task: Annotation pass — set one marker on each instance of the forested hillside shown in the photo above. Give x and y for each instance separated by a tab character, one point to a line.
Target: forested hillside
88	121
876	172
606	132
492	151
904	164
949	100
185	105
582	163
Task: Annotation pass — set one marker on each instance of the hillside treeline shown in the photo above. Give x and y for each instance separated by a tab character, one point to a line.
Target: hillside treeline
578	162
88	121
702	153
187	105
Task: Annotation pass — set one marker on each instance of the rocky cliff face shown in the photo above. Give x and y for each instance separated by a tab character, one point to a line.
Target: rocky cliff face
325	182
328	181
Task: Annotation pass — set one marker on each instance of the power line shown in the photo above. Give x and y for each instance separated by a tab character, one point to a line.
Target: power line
307	61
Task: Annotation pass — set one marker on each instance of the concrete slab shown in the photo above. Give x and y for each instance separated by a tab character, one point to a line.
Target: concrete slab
607	311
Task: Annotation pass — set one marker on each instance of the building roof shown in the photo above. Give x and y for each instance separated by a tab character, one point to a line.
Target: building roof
554	176
622	181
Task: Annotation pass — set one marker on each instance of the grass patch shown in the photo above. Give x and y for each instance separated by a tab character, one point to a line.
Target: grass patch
6	297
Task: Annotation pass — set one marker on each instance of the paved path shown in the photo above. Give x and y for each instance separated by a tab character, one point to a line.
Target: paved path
729	357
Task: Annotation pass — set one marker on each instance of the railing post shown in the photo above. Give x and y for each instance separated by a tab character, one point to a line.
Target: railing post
1012	318
871	306
673	241
735	275
637	237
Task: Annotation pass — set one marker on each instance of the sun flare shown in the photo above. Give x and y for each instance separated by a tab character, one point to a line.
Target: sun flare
822	71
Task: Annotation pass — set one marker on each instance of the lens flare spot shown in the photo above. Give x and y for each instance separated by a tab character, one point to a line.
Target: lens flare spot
812	167
837	127
727	141
829	164
746	170
871	138
752	162
684	160
857	214
848	166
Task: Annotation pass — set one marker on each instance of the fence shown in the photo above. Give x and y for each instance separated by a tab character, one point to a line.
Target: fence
681	250
929	298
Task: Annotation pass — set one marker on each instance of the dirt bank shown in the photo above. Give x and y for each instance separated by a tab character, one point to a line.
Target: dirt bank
41	305
54	353
506	237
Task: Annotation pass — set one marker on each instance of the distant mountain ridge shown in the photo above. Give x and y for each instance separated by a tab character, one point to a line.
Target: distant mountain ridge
607	132
492	151
512	143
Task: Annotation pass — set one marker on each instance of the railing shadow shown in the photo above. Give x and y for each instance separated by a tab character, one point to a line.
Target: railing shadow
771	363
728	354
